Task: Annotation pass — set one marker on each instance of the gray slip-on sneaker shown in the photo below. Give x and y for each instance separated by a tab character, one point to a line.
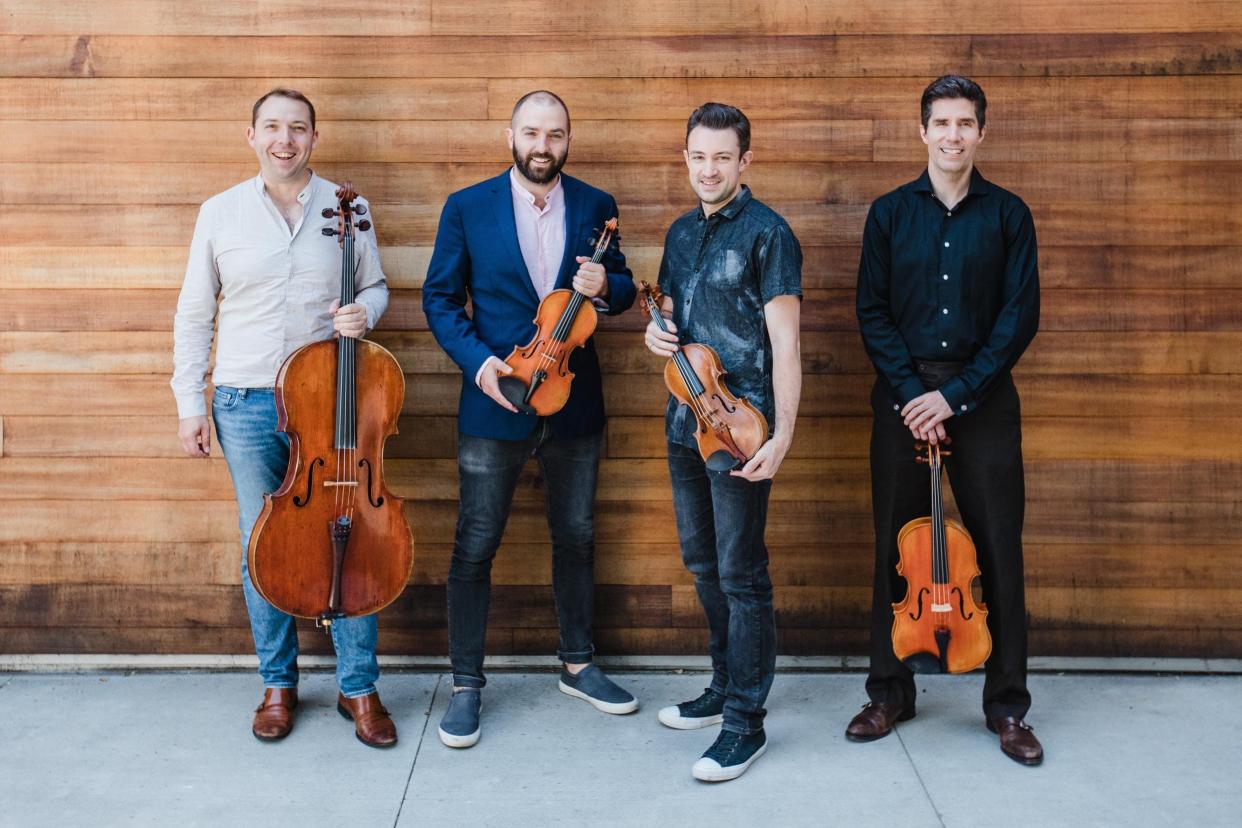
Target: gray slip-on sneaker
459	727
592	686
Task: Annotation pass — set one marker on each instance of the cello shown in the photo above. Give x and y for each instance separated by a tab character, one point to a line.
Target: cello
333	542
564	322
938	627
730	429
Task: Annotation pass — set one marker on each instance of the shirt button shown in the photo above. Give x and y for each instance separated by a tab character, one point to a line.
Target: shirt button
945	311
896	407
946	277
949	213
963	408
944	344
946	244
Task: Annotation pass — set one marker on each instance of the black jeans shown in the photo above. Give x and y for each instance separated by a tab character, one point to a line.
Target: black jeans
720	521
985	471
489	472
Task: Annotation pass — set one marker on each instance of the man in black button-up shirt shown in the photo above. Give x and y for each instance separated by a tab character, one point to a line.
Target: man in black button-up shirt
732	275
948	299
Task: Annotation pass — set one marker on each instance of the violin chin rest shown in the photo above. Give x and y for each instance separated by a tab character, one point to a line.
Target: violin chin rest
514	390
722	461
923	663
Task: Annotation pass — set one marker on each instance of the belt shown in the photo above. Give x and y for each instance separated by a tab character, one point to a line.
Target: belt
935	374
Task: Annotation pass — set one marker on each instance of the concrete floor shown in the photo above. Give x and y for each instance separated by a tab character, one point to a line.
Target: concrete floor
175	748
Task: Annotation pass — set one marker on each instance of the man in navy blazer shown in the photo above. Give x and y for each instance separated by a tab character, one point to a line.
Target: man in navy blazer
504	244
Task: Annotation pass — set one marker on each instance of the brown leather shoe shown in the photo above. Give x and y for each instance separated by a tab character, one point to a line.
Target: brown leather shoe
371	723
876	721
1017	740
273	719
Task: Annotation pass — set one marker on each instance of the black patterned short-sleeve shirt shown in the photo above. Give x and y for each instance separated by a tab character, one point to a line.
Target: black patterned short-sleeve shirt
720	271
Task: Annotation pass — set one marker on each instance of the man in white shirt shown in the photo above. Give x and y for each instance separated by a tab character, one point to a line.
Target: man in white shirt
262	272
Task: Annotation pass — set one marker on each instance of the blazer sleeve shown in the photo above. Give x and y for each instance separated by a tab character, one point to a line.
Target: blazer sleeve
445	294
621	290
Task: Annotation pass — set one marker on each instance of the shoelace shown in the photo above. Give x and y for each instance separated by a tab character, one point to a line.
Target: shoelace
724	747
699	706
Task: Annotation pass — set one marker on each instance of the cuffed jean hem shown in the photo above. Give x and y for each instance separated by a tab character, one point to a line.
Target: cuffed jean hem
267	686
745	730
357	694
476	682
575	656
718	685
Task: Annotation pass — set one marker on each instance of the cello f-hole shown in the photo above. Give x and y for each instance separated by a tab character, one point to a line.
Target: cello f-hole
302	500
922	592
376	502
961	604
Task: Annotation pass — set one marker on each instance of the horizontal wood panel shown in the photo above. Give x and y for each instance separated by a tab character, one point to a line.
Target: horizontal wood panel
418	99
658	17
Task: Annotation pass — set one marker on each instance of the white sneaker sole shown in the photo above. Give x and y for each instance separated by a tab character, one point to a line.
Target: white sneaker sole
670	717
469	740
615	708
706	770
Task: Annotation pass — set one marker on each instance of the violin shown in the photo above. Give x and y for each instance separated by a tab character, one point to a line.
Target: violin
730	429
332	541
938	627
565	320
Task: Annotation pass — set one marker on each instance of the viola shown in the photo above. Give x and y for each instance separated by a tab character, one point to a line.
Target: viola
730	429
938	627
541	378
332	541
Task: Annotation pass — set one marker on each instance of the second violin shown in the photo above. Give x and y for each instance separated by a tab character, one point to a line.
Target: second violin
730	429
566	319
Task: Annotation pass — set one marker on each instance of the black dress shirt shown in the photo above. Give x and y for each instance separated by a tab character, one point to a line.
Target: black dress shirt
720	271
948	285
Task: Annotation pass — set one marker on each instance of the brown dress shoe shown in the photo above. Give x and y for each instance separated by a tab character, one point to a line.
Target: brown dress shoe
371	723
1017	740
876	721
273	719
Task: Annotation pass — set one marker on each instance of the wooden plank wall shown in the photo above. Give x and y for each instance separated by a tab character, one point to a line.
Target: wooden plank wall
1120	123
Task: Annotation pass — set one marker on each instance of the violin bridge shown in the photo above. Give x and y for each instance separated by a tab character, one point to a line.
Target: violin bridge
329	483
941	608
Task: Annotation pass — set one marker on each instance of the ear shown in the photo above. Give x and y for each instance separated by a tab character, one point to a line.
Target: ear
250	136
686	155
745	160
983	131
923	132
509	137
314	139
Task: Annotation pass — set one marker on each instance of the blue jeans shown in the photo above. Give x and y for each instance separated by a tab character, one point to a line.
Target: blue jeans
258	455
720	521
489	472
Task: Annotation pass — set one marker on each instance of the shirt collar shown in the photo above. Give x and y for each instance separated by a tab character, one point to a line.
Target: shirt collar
730	210
978	184
528	196
302	196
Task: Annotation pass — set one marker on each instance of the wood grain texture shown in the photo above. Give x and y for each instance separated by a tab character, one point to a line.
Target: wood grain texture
1117	122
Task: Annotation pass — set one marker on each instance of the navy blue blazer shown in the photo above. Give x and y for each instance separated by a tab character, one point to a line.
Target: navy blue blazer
477	258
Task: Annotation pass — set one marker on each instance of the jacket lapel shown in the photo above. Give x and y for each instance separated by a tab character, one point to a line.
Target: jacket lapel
502	205
573	231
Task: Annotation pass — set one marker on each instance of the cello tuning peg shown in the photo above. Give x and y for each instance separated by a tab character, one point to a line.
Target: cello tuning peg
328	231
364	225
360	209
328	212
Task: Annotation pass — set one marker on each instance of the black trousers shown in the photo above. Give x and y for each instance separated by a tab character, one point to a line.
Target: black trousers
985	471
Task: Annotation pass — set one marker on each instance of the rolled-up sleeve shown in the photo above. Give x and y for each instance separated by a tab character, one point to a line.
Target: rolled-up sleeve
370	284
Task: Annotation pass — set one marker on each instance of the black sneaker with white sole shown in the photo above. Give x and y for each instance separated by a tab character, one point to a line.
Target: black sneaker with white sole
730	756
705	711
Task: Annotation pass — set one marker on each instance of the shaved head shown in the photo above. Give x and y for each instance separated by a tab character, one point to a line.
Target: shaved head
541	97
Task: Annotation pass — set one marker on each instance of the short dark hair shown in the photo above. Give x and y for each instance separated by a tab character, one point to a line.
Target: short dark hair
281	92
544	96
955	86
721	116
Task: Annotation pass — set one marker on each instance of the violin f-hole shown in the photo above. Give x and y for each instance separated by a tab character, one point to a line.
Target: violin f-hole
302	500
724	404
922	592
370	482
961	604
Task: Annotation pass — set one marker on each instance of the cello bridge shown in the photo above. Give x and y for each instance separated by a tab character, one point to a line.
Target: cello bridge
330	483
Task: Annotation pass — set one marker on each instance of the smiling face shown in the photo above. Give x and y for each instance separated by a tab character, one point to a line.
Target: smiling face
282	138
715	160
952	134
538	136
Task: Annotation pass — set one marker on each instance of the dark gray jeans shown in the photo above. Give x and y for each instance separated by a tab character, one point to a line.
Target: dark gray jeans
720	521
489	472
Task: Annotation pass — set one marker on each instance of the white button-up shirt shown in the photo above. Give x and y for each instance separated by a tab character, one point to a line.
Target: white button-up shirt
540	232
268	287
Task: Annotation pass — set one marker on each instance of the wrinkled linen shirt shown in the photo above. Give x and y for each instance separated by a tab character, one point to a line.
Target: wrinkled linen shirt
268	287
720	271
